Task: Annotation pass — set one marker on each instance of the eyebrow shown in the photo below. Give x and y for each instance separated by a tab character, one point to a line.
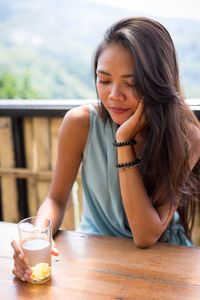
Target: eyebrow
108	74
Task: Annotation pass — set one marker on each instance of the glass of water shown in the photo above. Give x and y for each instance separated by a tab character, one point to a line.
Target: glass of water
35	239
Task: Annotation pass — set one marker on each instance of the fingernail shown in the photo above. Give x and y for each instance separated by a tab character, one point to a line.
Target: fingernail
55	251
23	279
21	256
28	272
27	278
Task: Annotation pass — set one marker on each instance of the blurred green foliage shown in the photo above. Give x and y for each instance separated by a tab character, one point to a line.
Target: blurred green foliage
12	87
46	47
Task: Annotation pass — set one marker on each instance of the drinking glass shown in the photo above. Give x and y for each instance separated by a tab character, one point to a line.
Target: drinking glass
35	239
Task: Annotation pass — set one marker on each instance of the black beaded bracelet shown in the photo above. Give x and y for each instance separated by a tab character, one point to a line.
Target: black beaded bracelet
124	143
129	164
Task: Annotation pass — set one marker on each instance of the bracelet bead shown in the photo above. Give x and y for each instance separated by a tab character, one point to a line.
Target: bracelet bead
129	164
124	143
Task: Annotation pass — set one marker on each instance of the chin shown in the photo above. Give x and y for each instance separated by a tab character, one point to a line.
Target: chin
117	121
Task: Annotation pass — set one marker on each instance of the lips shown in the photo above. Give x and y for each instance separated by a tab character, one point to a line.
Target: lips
119	110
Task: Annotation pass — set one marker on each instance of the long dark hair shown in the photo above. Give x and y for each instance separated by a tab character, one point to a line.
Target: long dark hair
166	150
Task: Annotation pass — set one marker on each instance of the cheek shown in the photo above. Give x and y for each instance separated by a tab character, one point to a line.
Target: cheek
103	91
134	95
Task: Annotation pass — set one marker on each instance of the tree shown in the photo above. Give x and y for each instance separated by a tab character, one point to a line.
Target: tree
12	86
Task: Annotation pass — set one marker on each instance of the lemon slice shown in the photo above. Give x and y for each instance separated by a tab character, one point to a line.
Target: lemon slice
40	271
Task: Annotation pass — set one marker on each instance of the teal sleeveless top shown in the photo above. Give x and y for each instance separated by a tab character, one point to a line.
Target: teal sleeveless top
103	211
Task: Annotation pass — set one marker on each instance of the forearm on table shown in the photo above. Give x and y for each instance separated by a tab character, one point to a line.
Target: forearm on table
143	218
52	210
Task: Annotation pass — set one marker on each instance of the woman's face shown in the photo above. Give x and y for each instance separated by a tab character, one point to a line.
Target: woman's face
115	83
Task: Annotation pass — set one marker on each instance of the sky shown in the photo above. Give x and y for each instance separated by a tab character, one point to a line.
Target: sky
188	9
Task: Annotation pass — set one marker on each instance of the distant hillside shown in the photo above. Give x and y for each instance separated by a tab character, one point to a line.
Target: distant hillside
53	41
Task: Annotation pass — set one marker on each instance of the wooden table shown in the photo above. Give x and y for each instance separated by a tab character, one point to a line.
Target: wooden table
94	267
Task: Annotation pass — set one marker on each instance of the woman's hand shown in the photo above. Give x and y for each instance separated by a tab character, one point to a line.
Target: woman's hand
21	269
130	128
54	250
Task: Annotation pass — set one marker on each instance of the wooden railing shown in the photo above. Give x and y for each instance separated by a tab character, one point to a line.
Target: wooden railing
28	145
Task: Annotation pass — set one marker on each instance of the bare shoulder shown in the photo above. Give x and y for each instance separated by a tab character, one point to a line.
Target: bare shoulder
194	143
194	135
78	115
75	126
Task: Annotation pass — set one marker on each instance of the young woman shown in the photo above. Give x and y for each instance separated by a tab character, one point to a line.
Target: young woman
138	147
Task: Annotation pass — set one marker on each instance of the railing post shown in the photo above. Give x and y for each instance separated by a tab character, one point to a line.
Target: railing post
18	141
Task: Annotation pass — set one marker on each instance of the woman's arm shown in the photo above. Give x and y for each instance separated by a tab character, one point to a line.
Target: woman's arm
147	223
72	139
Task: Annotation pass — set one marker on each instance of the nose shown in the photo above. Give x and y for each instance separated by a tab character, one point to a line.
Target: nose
116	93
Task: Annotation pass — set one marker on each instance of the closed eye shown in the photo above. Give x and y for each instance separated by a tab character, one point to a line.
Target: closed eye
104	81
130	85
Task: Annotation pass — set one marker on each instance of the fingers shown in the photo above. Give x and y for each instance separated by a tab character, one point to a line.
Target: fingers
16	247
18	274
140	109
21	268
54	250
139	113
24	276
